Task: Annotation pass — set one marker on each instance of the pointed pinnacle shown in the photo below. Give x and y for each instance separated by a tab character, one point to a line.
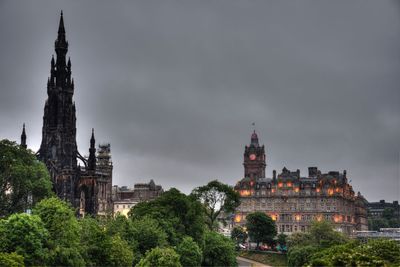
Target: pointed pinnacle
61	29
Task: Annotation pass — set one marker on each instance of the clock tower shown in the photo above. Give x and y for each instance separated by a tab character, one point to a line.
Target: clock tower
254	159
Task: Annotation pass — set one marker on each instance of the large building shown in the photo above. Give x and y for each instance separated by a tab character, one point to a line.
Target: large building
125	198
86	187
294	201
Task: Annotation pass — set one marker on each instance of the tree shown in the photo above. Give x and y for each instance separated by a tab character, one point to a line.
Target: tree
323	235
216	197
350	254
281	240
11	259
388	213
300	255
303	247
95	242
23	179
239	235
160	257
26	235
148	235
261	228
120	253
189	252
178	215
62	225
218	250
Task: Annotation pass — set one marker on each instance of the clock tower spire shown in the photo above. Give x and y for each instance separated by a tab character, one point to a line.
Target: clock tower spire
254	159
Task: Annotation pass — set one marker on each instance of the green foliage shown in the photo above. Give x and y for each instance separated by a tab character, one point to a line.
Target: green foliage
300	255
216	197
298	238
190	253
26	235
238	234
148	234
179	215
119	225
304	246
281	239
350	254
388	250
388	220
381	252
120	253
323	235
218	250
59	219
21	176
160	257
261	228
11	260
95	242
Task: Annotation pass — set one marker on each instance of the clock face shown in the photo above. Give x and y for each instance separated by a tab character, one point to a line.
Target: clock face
252	156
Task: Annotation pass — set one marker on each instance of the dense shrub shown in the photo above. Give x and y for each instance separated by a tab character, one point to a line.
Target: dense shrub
191	254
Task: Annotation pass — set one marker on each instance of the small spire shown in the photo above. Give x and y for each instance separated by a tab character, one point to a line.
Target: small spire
69	62
61	29
92	153
23	137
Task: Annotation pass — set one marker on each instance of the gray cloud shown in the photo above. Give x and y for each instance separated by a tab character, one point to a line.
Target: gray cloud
175	85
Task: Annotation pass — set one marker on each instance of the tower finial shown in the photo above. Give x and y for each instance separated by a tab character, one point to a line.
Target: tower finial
92	153
23	137
254	137
61	29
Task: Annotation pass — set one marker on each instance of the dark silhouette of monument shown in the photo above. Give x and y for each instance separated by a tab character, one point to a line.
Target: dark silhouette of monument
86	187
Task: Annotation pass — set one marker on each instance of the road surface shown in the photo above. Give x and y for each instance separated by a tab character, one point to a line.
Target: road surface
249	263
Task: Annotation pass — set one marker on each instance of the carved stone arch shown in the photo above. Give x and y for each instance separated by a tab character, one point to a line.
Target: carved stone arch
84	200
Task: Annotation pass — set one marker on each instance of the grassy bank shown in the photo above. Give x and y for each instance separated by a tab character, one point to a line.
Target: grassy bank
271	259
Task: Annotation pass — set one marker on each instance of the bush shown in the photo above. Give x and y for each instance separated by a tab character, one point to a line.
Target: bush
218	250
26	235
299	256
160	257
11	260
374	253
189	252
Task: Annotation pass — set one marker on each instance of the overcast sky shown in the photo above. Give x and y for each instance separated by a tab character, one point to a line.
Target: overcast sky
174	86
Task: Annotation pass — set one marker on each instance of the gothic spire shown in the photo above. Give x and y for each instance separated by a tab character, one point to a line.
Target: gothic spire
92	153
61	29
23	137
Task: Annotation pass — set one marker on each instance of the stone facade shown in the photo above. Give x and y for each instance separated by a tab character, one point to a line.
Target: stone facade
294	201
140	192
87	187
125	198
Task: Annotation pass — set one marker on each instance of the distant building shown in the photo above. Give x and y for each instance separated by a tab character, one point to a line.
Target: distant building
376	209
125	198
294	201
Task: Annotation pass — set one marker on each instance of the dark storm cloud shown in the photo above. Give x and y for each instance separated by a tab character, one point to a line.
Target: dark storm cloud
175	85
